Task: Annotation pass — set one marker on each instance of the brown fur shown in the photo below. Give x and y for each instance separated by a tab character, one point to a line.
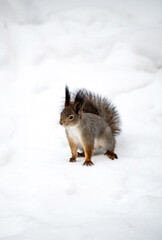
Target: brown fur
73	148
88	154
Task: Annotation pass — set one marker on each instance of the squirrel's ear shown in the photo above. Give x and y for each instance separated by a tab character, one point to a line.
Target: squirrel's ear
67	96
79	102
77	107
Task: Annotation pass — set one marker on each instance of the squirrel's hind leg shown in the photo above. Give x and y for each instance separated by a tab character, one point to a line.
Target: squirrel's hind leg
111	155
80	154
109	143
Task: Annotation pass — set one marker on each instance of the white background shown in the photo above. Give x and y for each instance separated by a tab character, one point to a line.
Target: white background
110	47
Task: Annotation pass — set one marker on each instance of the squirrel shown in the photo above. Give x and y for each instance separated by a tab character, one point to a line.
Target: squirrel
91	122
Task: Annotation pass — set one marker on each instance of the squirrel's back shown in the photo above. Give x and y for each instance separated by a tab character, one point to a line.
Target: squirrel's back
102	107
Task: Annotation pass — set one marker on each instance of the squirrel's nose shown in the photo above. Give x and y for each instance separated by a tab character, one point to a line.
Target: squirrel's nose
61	122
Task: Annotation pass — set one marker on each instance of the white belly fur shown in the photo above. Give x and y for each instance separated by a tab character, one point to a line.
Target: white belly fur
74	133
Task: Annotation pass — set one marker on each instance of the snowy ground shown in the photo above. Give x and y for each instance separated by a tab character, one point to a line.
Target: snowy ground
110	47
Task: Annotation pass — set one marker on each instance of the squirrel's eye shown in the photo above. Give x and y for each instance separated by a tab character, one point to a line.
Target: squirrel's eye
71	117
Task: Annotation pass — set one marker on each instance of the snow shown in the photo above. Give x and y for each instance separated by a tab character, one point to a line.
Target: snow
109	47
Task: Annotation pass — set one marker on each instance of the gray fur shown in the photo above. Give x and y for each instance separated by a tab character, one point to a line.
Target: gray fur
95	121
96	131
94	103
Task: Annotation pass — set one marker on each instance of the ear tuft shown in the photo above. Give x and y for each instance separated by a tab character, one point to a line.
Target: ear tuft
67	96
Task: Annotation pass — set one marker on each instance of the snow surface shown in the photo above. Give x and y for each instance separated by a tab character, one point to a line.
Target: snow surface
113	48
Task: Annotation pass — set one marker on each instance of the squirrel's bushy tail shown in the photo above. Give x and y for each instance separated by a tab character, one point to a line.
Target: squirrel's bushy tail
95	104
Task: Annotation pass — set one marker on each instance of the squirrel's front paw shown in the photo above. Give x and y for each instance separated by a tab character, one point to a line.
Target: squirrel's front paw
72	159
88	163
